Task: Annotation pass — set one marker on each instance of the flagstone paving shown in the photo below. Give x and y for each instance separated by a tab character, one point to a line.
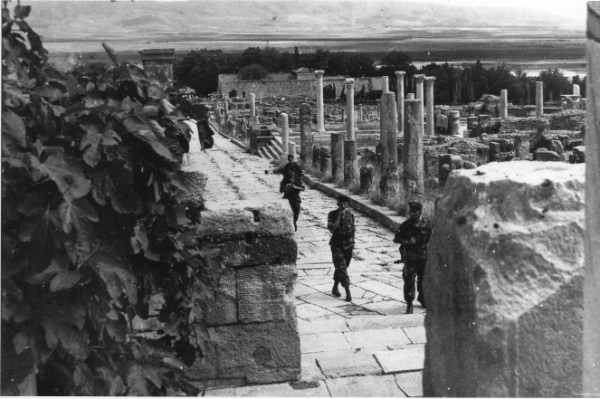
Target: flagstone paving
368	347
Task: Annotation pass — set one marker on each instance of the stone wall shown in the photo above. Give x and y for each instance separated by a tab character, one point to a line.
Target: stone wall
251	314
292	87
504	283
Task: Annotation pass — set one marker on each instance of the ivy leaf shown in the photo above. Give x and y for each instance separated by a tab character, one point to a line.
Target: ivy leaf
34	204
56	266
13	130
110	138
112	380
123	198
64	280
75	342
153	374
91	101
49	92
136	382
67	174
149	137
39	232
139	242
76	214
155	92
115	273
90	144
115	330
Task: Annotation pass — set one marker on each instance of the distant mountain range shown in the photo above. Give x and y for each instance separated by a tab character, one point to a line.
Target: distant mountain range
142	22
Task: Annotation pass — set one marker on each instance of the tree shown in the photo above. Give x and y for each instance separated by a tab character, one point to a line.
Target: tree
555	84
253	72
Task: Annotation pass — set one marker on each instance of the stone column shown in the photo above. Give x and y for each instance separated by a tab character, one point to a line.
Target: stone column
429	81
360	112
292	148
410	96
305	135
591	300
576	90
400	99
419	79
385	84
412	153
503	104
389	184
455	122
252	105
350	160
350	123
320	106
539	98
337	157
285	134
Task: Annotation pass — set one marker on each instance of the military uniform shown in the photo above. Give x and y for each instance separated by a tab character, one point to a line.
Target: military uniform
342	244
414	255
292	176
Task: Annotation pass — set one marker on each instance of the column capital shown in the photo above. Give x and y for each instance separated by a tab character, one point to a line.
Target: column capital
429	81
349	82
319	73
400	74
419	78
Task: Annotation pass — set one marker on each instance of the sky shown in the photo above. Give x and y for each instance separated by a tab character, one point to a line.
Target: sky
573	9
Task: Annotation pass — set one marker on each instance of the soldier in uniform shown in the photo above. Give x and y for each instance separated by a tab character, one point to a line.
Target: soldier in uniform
413	236
291	186
340	223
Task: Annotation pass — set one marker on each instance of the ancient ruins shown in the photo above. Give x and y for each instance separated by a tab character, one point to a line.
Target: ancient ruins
513	270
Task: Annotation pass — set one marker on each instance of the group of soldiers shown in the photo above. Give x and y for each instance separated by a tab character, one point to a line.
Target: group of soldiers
413	237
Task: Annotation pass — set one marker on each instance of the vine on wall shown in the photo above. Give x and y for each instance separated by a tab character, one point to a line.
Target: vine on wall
96	216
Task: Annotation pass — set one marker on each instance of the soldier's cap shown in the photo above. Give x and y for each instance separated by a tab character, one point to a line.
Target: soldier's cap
343	198
415	206
290	155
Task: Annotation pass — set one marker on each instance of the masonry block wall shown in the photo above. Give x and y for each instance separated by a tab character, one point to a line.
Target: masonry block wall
292	87
253	318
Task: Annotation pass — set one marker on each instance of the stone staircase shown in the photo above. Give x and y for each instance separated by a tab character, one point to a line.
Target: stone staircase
272	150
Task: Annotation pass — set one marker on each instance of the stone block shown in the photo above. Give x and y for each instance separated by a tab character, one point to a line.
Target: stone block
505	303
324	343
542	154
410	358
377	338
364	386
224	309
266	352
241	220
579	154
347	363
265	293
204	368
259	251
410	383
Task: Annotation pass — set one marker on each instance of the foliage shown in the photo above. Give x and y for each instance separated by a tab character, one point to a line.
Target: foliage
96	216
253	72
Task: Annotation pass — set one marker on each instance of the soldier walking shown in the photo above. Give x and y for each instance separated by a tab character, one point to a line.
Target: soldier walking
413	236
291	186
340	223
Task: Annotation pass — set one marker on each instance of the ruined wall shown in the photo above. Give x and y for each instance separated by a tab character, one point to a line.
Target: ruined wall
505	302
292	87
251	312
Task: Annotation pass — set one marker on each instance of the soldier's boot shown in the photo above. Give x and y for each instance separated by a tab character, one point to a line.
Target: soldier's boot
335	291
348	296
409	308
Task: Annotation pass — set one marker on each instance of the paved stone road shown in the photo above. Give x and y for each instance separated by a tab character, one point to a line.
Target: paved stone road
364	348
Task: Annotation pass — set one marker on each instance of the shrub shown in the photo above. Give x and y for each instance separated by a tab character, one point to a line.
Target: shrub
96	216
